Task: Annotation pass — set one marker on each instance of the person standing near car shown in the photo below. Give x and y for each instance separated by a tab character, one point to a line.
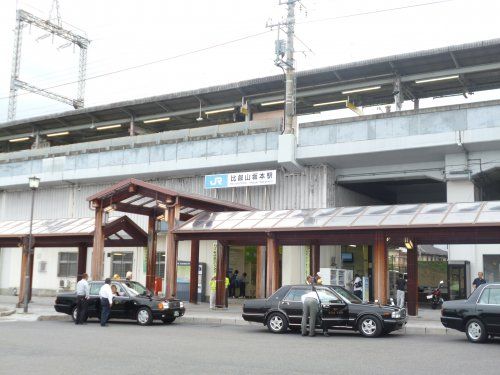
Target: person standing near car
479	280
82	298
310	308
400	291
106	296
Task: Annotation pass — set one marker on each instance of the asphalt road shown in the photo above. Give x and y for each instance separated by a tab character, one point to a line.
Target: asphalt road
124	348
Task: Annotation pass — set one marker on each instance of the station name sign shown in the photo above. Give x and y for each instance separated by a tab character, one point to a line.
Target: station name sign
240	179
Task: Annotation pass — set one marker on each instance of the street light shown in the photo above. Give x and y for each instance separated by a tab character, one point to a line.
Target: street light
34	182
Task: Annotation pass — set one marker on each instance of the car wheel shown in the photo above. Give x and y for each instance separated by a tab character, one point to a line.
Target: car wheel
144	316
475	331
370	326
74	313
168	319
276	323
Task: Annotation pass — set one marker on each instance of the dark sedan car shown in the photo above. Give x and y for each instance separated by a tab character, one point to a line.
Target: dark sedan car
340	309
478	316
134	301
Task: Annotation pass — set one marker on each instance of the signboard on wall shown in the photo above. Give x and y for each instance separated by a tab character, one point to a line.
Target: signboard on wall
240	179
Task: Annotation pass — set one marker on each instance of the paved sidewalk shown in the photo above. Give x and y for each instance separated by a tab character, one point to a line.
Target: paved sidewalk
41	308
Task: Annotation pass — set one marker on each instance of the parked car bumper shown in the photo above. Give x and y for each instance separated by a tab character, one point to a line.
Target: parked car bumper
454	323
253	317
169	313
63	309
394	324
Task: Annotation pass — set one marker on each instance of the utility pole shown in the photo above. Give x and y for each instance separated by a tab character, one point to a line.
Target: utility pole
285	49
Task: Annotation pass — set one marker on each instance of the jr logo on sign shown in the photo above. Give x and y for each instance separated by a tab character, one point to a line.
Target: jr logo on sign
216	181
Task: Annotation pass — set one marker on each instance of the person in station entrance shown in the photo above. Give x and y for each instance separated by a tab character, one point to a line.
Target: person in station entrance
242	283
358	286
213	288
400	291
233	284
478	281
310	310
106	296
82	299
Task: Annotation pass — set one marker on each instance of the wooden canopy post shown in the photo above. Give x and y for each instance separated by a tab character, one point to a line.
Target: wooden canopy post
98	244
272	269
220	291
314	261
412	283
82	261
151	260
24	267
193	271
173	213
380	270
260	273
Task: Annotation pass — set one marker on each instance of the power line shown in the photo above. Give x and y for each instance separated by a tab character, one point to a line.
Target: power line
192	52
374	12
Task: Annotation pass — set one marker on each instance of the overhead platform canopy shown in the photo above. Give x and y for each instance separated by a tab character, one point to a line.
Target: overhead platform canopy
452	70
476	222
119	232
143	198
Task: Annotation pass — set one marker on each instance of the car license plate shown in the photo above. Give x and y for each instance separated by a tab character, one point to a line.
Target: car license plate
176	313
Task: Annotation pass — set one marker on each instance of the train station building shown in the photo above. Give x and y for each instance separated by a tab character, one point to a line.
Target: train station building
408	191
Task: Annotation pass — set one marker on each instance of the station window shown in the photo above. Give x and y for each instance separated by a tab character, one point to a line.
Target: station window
67	265
160	264
121	263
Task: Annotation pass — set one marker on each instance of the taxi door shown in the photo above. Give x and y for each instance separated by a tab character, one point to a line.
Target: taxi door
335	312
292	304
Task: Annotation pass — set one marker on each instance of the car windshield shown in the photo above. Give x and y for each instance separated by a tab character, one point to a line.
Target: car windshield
135	289
347	295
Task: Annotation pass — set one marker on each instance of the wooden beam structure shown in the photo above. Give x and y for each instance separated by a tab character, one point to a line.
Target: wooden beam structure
314	260
260	273
151	260
97	272
24	270
193	271
82	260
380	268
171	277
412	282
272	265
220	290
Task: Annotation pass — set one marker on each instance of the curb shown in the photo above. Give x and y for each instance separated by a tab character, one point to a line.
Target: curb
410	330
7	312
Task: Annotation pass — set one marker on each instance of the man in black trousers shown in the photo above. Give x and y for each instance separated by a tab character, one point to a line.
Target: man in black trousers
106	296
82	298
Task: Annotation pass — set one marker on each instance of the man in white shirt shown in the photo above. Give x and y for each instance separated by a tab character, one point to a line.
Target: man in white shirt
82	298
310	308
106	296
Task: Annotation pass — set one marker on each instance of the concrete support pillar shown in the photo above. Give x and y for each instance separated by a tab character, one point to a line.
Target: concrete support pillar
151	260
260	274
82	261
98	246
412	283
220	291
272	266
171	277
380	270
193	273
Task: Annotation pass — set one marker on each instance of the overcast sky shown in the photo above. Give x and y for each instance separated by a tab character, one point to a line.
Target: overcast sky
125	33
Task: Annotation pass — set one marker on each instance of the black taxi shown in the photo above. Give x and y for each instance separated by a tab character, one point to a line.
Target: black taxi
340	309
133	301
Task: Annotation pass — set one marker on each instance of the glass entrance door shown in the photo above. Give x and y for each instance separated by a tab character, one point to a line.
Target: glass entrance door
457	281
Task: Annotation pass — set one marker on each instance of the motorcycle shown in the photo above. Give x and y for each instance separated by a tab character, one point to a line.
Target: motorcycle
435	297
